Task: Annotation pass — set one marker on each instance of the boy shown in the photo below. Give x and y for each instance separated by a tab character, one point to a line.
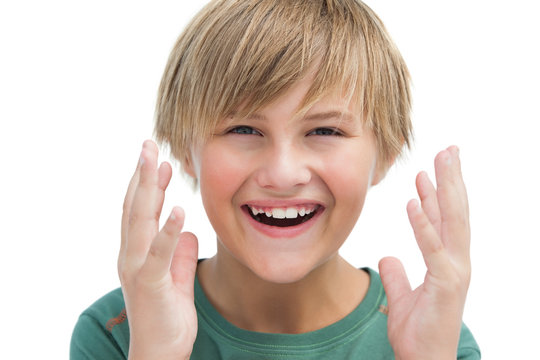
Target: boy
284	113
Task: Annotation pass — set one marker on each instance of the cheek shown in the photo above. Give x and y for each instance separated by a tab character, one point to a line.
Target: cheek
220	177
348	177
219	169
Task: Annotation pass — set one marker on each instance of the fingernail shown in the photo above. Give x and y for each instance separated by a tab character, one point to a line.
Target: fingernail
176	213
454	150
446	156
415	205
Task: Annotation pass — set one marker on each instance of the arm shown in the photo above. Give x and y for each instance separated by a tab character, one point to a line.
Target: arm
425	323
156	268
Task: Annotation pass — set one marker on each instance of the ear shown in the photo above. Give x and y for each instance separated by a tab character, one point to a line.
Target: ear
378	175
381	168
188	166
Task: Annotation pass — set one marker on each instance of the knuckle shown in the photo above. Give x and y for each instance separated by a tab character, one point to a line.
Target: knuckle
438	249
169	229
457	218
120	264
457	281
454	283
147	179
135	217
155	252
461	221
124	274
156	214
126	206
465	274
422	223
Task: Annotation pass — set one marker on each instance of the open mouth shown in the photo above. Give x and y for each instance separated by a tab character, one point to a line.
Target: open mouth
282	217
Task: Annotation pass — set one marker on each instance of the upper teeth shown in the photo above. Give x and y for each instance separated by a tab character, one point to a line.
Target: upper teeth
282	213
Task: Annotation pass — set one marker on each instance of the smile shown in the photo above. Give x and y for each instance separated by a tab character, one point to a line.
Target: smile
282	217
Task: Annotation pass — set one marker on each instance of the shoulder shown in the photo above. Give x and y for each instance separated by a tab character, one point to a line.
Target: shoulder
102	330
467	348
109	306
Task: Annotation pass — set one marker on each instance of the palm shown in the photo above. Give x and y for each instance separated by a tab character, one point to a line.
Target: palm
427	320
156	268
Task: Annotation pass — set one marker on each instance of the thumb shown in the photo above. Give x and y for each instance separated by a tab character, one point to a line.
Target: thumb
395	281
184	262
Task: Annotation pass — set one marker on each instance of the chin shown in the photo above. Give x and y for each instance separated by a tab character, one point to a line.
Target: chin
282	270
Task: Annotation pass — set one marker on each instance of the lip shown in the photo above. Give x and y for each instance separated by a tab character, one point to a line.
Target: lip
282	232
282	203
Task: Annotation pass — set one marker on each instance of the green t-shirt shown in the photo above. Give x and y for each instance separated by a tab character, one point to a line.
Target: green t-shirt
102	332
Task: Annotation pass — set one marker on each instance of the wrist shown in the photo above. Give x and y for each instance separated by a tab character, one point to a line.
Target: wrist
437	356
151	354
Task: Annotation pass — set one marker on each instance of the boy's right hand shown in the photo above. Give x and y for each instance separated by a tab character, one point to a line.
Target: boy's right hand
156	268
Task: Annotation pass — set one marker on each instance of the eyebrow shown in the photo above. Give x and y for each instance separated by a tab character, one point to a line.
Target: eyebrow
334	114
347	116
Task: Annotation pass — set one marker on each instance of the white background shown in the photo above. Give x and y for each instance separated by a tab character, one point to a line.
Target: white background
78	83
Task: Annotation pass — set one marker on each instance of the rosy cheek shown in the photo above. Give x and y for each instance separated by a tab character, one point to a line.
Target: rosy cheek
221	175
348	177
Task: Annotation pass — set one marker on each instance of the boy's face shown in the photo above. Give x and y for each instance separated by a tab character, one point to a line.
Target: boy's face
297	168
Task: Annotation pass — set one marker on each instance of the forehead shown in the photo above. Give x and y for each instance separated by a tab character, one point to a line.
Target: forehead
299	101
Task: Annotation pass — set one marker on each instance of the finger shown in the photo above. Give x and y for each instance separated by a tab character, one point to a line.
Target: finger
455	232
160	254
126	207
456	168
164	175
143	221
394	279
428	196
184	262
428	240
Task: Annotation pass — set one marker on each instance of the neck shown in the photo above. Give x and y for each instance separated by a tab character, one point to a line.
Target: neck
326	295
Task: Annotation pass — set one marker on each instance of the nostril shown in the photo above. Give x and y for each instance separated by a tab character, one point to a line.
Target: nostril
278	175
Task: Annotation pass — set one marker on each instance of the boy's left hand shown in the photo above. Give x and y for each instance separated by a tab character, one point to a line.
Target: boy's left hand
425	323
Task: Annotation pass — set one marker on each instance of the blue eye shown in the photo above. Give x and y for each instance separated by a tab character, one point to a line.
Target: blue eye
325	132
244	130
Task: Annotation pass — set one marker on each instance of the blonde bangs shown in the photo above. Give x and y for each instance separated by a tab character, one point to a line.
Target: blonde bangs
237	56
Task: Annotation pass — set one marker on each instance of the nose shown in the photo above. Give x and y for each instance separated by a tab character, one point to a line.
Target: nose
283	168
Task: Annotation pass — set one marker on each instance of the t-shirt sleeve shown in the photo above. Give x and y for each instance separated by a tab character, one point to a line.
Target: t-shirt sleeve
91	340
102	331
468	349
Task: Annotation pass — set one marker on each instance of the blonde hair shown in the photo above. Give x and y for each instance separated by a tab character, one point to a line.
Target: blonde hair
247	52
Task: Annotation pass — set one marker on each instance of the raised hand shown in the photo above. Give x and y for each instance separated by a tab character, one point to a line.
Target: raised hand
425	323
156	268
